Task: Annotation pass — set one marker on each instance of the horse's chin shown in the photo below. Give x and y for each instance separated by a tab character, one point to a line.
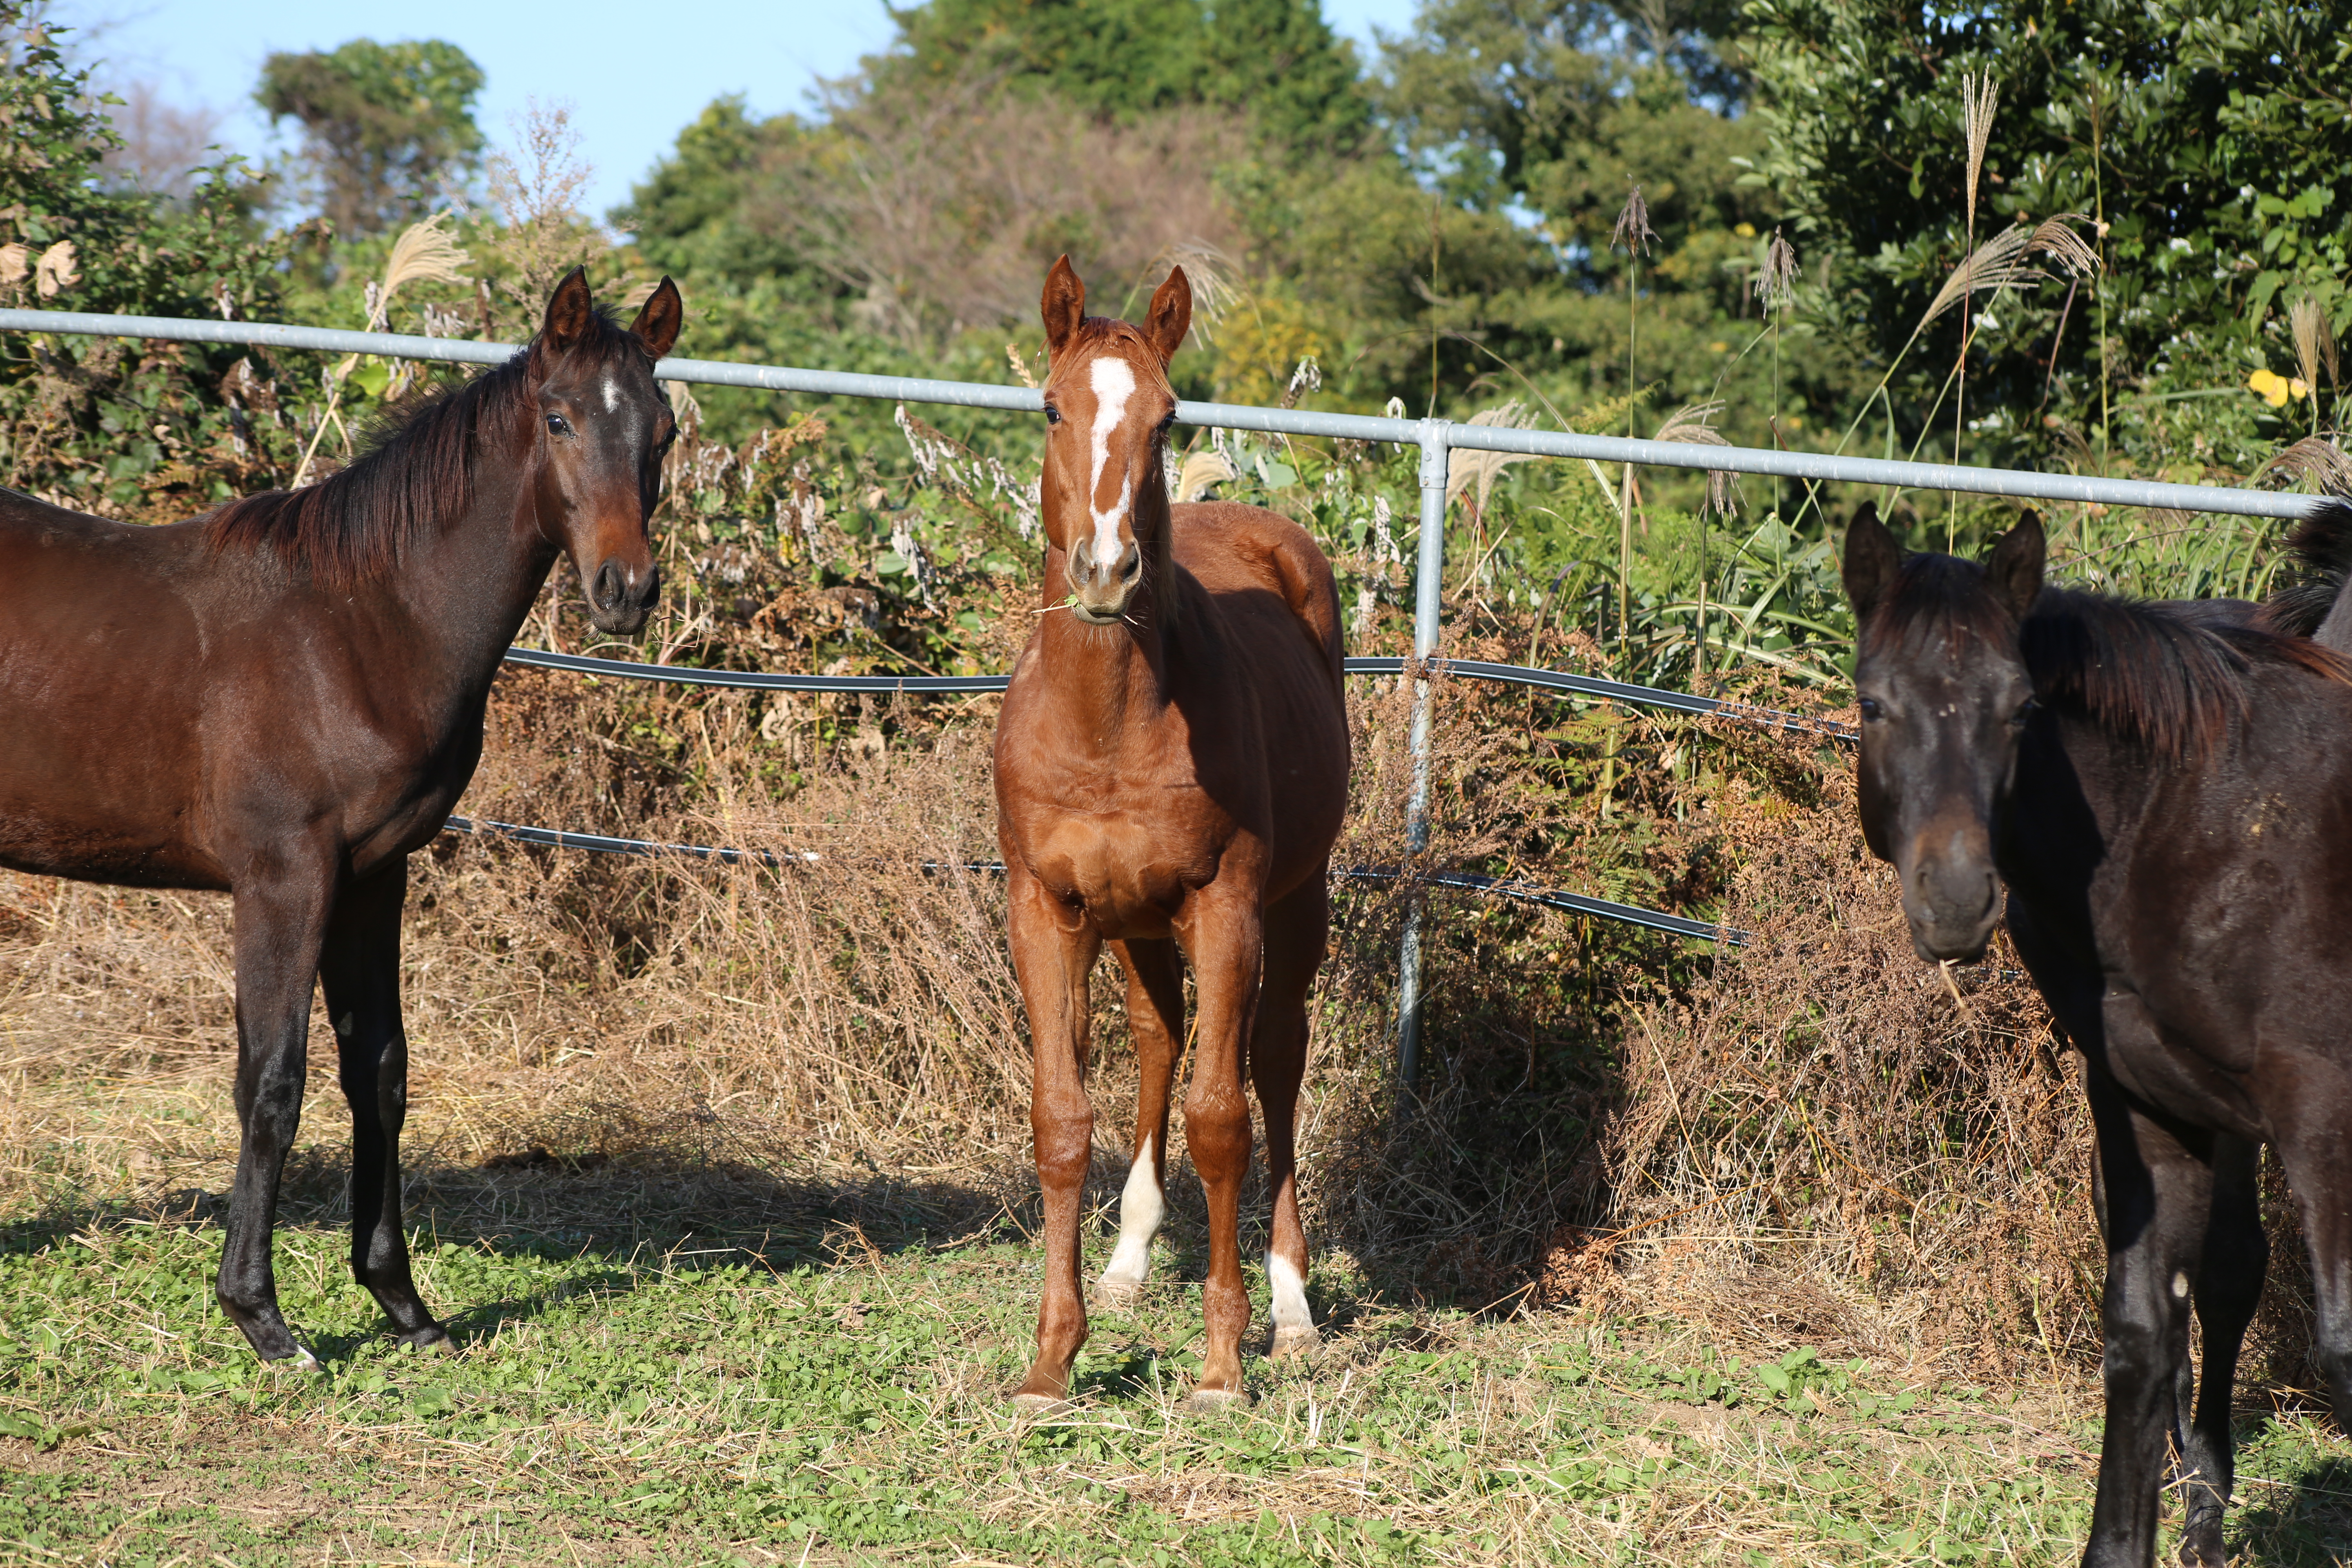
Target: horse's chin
1945	944
623	621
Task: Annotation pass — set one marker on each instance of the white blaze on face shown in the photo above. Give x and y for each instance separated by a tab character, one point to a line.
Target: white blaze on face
612	394
1139	1209
1290	1311
1114	383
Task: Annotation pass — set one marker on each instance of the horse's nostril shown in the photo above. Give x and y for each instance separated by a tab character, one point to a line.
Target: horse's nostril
1130	563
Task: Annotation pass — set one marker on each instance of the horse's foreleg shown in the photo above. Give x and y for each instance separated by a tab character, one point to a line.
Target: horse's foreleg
1295	930
2227	1288
2158	1198
1155	1014
360	969
1223	935
280	913
1053	949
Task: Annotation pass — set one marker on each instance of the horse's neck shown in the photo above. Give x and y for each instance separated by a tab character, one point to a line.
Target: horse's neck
1108	682
1105	681
468	586
2080	797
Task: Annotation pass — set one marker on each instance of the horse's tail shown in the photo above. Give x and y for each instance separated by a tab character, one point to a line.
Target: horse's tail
2322	543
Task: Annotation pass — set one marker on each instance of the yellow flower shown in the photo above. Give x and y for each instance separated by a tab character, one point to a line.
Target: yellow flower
2271	385
1744	230
2297	387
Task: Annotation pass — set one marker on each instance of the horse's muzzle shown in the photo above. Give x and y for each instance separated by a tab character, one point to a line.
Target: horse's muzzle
619	600
1952	900
1100	590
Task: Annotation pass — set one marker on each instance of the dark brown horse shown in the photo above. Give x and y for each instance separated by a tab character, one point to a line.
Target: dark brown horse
1171	769
2169	802
284	699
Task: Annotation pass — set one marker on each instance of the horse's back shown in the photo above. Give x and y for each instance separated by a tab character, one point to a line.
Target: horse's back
1235	552
1278	610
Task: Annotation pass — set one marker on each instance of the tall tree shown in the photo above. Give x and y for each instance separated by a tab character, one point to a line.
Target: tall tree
1279	60
1560	106
386	128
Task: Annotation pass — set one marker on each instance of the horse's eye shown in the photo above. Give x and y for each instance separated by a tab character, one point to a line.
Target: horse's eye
558	425
2024	712
1053	414
1870	709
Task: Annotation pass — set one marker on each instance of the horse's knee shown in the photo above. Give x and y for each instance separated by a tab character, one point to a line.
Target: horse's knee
1065	1147
2137	1354
1217	1131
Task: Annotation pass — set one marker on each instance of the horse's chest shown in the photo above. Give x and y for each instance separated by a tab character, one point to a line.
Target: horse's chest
1130	876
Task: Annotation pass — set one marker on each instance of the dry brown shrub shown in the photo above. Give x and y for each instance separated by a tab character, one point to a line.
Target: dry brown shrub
1809	1140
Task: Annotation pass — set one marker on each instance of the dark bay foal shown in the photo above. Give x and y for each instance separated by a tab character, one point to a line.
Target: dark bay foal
1172	770
2168	801
282	700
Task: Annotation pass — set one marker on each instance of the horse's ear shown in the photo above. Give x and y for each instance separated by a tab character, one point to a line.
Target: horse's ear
1873	561
659	319
2014	573
1170	316
1064	306
569	311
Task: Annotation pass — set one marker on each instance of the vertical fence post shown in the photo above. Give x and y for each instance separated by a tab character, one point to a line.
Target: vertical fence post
1428	581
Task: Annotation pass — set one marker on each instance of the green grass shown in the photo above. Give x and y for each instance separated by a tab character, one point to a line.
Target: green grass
830	1400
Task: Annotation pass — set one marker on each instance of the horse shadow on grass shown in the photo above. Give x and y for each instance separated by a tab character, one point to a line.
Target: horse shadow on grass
2304	1519
634	1217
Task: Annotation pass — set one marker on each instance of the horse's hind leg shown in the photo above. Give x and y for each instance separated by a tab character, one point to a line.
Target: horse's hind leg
2158	1198
1155	1014
1295	930
2318	1164
281	912
1224	936
360	968
2229	1287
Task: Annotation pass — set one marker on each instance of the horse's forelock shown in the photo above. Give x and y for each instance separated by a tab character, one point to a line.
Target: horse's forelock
1097	334
1940	604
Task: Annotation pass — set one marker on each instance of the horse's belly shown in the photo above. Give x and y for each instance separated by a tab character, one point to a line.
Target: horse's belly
1130	882
90	851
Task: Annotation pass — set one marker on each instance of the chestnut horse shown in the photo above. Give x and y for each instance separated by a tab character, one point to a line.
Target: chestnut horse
2166	795
1172	770
283	698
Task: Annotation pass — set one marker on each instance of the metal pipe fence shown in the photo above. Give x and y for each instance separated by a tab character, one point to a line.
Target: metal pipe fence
1434	437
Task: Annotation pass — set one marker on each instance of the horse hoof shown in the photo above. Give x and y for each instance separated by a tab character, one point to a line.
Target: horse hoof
2200	1546
431	1340
1212	1401
301	1363
1118	1293
1035	1405
1290	1343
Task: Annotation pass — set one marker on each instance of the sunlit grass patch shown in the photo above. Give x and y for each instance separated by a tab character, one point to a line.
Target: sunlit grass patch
710	1403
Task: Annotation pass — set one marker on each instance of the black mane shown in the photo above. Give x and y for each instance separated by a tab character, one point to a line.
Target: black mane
416	471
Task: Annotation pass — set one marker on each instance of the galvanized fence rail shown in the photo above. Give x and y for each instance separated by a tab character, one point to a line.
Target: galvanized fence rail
1434	437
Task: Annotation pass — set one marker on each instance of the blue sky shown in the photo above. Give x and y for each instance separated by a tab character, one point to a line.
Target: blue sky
633	74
